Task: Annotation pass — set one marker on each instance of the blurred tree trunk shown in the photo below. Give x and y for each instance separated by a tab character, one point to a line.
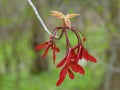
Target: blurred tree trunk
18	61
38	37
7	63
4	34
115	77
112	76
7	60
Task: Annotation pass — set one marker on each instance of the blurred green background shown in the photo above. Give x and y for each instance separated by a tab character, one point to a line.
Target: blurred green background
21	67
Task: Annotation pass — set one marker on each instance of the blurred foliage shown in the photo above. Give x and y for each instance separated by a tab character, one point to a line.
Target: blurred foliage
47	81
16	44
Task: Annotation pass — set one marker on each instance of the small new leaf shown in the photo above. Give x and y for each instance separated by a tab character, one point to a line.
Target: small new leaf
71	15
57	14
65	18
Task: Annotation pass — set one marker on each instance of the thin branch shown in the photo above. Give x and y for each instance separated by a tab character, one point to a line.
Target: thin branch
115	69
39	17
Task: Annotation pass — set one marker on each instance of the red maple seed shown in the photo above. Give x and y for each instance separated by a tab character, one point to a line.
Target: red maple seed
69	63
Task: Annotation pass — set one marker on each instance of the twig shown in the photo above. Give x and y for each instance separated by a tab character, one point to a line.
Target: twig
115	69
39	17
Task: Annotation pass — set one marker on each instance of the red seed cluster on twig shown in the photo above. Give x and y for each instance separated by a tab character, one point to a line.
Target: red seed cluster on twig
74	53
